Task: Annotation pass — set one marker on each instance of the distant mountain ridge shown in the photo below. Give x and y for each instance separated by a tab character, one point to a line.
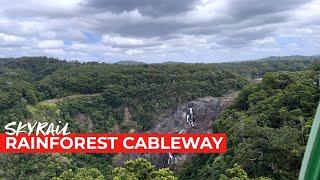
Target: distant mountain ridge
293	57
52	60
129	62
173	62
270	58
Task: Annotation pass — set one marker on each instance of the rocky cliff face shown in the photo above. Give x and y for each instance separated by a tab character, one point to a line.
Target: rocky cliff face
206	110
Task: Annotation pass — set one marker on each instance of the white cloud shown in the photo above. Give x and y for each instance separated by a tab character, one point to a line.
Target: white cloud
207	10
120	41
134	51
195	29
266	41
293	46
11	40
50	44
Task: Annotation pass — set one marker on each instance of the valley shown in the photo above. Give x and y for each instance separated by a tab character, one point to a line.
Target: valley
250	101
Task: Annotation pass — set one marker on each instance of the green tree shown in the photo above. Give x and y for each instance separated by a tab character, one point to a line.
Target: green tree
81	173
141	169
235	173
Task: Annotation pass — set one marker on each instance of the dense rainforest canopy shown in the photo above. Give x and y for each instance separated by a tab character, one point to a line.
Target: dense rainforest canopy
267	128
270	121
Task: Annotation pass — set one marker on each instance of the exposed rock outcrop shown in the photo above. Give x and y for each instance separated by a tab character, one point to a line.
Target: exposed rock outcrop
83	123
206	110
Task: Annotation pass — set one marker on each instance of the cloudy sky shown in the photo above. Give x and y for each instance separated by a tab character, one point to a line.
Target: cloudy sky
159	30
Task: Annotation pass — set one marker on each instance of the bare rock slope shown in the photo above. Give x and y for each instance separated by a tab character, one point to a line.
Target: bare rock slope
206	110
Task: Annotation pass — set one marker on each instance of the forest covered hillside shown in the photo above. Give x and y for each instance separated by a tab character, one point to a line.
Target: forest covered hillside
269	121
267	127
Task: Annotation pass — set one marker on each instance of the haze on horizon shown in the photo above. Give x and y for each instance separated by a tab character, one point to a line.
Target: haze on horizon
159	30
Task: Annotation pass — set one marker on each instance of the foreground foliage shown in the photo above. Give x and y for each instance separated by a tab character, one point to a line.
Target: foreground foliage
267	129
141	169
271	112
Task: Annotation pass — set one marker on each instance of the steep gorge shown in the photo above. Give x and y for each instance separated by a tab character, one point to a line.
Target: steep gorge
206	110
